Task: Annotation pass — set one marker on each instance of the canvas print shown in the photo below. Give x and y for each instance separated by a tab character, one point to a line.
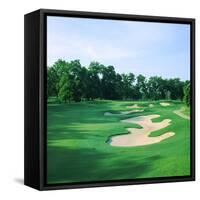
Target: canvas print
118	100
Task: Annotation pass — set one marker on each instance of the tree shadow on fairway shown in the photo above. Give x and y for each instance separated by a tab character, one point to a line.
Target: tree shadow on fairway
87	164
73	133
131	169
64	134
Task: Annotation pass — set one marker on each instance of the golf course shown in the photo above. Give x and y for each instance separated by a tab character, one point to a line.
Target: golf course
80	149
118	100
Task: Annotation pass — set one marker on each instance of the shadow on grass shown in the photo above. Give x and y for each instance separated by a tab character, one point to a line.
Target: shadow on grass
64	134
87	164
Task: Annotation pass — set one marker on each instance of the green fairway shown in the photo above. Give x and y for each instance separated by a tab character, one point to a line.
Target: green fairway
78	148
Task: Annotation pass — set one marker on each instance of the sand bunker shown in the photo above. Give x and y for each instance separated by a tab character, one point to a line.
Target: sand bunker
151	105
180	114
140	137
122	113
164	104
134	106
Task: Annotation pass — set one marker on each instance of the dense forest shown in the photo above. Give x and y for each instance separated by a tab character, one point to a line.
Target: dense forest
70	81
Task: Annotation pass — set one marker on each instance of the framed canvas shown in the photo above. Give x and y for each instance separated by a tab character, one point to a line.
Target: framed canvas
109	99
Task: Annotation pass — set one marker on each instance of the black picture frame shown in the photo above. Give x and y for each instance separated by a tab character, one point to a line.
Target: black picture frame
35	115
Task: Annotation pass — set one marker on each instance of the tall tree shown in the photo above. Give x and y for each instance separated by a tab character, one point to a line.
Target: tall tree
94	80
153	88
75	73
54	73
52	80
108	82
119	87
140	87
175	86
65	88
187	94
128	85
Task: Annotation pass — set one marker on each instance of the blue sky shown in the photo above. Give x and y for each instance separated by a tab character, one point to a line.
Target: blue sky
146	48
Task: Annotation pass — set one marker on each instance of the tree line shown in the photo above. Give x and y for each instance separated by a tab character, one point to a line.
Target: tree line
70	81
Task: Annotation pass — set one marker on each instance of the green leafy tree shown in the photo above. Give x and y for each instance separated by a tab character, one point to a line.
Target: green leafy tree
65	89
54	73
52	80
154	88
70	84
118	87
128	86
75	73
108	83
141	87
69	81
175	86
187	94
94	80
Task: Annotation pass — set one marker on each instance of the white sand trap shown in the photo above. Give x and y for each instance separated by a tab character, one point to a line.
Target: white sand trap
122	113
164	104
140	137
151	105
180	114
134	106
